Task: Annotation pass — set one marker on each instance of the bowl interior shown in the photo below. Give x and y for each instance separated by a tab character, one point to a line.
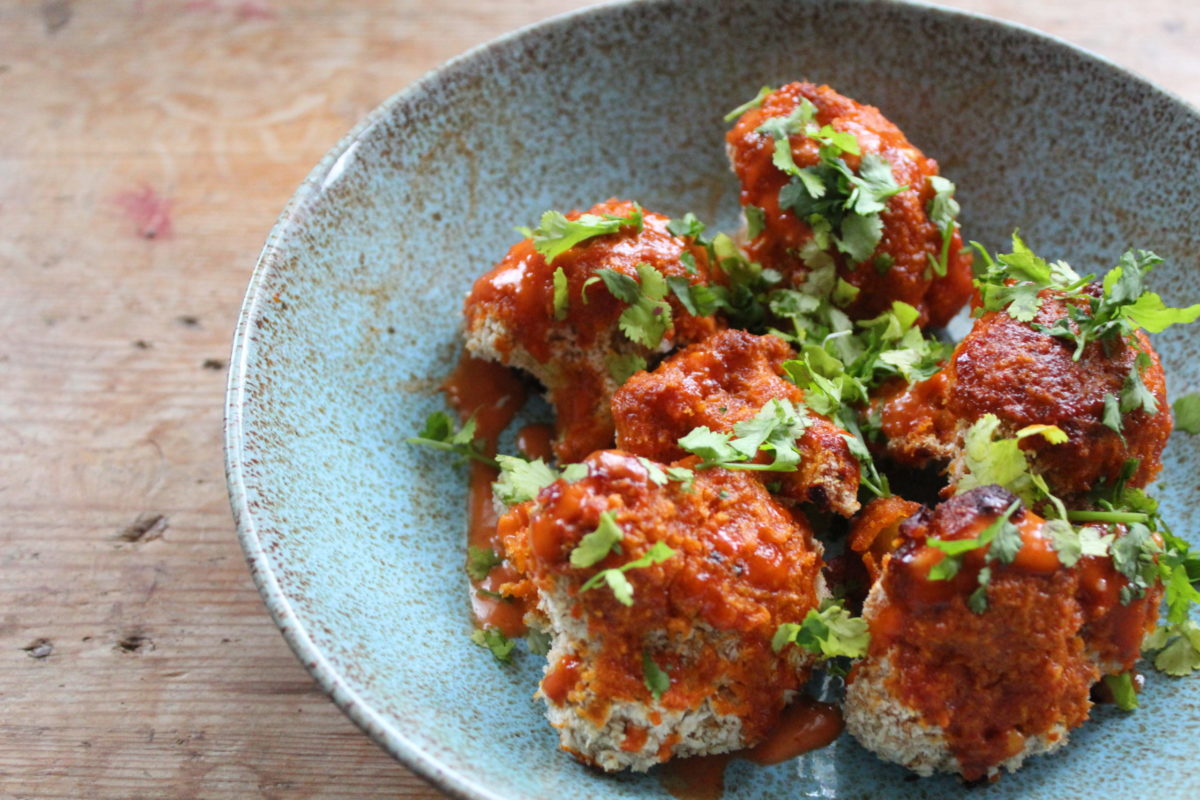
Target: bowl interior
353	315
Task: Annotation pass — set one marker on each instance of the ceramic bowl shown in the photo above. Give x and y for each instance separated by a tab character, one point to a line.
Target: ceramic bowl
352	317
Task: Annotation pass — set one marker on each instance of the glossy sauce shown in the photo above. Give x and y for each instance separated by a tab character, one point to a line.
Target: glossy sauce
804	726
535	441
493	394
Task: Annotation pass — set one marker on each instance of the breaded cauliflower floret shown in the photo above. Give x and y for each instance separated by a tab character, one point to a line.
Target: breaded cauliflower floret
559	321
907	259
682	664
1026	376
967	680
718	383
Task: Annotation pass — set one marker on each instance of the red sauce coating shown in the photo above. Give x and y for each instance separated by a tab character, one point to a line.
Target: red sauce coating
514	303
743	564
719	382
1026	377
1022	667
909	237
534	441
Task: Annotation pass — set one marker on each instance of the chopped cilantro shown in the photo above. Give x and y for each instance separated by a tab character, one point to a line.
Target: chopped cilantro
556	234
439	433
657	681
521	480
828	632
749	104
621	588
480	561
560	294
1187	413
595	546
492	639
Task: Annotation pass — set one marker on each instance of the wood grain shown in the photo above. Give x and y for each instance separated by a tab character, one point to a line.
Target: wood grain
145	150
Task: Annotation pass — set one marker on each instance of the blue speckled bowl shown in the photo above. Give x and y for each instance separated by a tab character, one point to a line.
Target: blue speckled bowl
351	321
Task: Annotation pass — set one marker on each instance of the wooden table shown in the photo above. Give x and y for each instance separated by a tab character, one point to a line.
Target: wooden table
145	150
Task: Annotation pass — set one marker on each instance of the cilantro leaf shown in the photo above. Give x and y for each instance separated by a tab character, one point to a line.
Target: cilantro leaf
1180	649
1070	544
556	234
574	472
595	546
943	210
860	235
698	299
796	121
492	639
480	561
623	366
1135	394
1001	537
1150	312
689	226
773	429
978	601
1187	413
828	632
521	480
1112	415
648	316
621	588
749	104
439	433
657	681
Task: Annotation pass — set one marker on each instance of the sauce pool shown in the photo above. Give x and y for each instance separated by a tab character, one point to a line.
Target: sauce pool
492	394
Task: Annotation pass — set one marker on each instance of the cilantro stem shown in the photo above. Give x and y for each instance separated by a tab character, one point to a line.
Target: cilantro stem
454	448
1107	516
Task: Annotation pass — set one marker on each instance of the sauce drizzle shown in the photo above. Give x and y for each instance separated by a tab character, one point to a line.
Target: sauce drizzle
493	394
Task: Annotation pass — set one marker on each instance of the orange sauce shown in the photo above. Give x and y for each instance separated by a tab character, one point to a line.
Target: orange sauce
699	778
493	394
805	725
558	681
534	441
490	391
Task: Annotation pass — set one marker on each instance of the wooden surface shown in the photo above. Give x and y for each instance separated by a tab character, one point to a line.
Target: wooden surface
145	150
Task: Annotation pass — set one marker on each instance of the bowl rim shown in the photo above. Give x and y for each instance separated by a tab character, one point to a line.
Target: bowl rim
340	689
